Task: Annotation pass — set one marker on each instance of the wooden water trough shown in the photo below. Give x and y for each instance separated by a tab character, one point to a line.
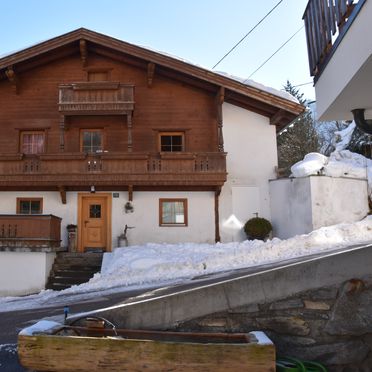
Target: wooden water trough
92	346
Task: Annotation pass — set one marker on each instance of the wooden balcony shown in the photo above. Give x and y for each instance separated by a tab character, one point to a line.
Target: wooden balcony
96	98
29	231
326	23
110	170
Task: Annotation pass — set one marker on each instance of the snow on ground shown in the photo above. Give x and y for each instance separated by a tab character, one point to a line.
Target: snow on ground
154	264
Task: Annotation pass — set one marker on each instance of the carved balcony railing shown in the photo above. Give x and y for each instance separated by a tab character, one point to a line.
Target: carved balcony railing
113	169
98	98
326	22
29	231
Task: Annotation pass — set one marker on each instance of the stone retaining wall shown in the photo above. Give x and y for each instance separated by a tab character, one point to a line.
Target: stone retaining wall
332	325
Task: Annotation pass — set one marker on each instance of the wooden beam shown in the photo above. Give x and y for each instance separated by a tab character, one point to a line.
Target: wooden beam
129	125
62	133
83	52
62	192
13	78
277	117
220	99
130	193
217	214
150	73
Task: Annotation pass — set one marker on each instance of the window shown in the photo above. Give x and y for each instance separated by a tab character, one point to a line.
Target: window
173	212
91	140
98	75
32	142
171	141
29	205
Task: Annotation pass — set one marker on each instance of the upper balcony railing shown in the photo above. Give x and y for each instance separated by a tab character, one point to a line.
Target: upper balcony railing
113	169
104	97
326	22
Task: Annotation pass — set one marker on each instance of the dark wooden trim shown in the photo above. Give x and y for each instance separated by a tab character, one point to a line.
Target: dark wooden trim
150	73
20	199
276	118
130	193
182	200
217	214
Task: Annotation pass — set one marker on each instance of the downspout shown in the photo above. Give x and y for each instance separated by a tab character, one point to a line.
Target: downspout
363	124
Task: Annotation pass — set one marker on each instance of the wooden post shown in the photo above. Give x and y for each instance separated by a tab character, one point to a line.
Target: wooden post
62	133
62	192
13	78
129	124
83	51
220	98
130	193
217	214
150	73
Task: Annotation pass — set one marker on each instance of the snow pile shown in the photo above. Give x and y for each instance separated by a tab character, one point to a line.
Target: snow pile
152	263
343	137
340	164
313	163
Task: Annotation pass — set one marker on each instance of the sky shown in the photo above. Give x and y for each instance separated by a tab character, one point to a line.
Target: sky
200	31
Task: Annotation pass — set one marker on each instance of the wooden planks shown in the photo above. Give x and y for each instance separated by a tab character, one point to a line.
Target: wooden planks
59	353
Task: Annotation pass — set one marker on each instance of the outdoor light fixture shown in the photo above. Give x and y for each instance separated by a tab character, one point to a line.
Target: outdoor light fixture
363	124
92	189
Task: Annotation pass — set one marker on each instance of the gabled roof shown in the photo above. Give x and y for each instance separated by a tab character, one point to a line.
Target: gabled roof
280	110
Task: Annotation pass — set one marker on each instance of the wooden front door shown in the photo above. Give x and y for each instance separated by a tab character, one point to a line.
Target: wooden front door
94	222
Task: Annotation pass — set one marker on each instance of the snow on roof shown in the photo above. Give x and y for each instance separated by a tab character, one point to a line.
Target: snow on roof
247	82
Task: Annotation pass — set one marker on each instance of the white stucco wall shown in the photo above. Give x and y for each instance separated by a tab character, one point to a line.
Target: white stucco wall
250	142
300	205
145	217
23	273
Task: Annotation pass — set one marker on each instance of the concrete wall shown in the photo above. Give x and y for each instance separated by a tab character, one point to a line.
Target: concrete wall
23	273
301	205
250	142
145	218
291	207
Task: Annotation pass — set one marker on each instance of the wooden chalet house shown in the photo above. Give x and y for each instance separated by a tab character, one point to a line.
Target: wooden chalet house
100	133
339	42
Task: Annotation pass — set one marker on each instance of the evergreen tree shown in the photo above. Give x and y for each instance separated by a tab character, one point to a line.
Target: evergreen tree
299	138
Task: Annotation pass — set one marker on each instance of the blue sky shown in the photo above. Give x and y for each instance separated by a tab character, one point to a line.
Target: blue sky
201	31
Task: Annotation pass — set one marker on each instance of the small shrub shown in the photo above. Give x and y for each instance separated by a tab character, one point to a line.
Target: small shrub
257	228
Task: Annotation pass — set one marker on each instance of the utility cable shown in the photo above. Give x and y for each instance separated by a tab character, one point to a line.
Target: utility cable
267	60
249	32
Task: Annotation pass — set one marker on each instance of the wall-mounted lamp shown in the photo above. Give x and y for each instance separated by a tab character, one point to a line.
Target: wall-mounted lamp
128	207
92	189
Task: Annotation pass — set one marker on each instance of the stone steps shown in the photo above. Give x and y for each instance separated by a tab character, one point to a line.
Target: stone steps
73	268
